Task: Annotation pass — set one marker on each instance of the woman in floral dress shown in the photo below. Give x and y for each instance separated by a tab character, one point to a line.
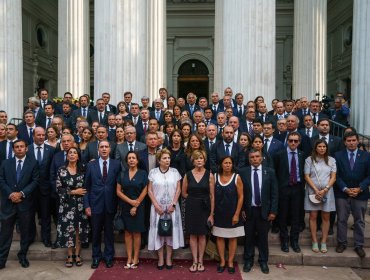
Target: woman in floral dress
73	226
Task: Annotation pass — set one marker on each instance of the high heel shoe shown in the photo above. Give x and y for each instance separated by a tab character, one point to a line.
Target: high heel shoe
69	261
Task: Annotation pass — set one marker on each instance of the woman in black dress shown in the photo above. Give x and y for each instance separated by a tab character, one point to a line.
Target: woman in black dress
198	189
73	225
132	189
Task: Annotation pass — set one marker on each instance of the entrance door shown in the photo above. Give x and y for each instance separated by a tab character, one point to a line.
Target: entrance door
193	77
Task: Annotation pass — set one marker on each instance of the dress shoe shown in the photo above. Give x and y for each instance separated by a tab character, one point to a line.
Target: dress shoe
331	231
220	269
247	267
275	230
295	247
54	245
231	269
340	248
360	252
142	246
47	243
285	247
24	262
264	268
2	265
302	227
95	263
85	245
160	267
109	263
169	267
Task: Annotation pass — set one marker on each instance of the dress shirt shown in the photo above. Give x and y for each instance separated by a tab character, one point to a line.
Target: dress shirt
9	142
354	154
280	117
326	138
296	160
151	161
259	173
22	163
309	132
28	129
268	142
101	165
35	150
236	134
133	145
230	147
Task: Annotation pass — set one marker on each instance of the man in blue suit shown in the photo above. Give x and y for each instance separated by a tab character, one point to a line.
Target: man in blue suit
352	192
25	130
271	144
100	202
18	179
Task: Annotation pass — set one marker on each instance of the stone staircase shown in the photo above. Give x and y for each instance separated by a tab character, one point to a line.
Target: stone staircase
331	259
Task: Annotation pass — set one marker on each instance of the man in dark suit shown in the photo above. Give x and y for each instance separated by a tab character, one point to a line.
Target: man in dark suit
190	106
91	151
262	113
18	179
280	112
44	98
289	166
134	113
83	111
111	127
228	92
100	115
352	192
234	123
47	118
335	144
315	111
226	147
108	107
67	97
25	130
215	105
100	203
260	208
142	125
308	128
208	116
271	144
240	107
43	154
67	114
158	113
6	147
211	132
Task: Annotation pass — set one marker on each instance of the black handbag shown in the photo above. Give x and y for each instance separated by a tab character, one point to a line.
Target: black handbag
165	225
118	223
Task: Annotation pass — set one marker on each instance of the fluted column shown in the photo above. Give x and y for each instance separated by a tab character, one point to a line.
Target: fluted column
121	48
11	59
309	48
245	47
156	71
73	47
360	101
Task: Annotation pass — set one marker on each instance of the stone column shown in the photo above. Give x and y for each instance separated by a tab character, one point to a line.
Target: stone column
245	47
156	70
11	58
360	102
309	48
73	47
120	48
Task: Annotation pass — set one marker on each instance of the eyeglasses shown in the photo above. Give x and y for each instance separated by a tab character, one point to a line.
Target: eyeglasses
293	141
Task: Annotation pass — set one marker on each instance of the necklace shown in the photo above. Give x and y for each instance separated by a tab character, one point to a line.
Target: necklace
164	171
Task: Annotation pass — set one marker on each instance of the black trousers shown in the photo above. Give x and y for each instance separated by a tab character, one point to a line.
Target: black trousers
44	202
100	222
256	233
6	234
290	205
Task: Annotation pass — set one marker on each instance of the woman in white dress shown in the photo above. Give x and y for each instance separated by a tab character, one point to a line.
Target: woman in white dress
164	191
320	174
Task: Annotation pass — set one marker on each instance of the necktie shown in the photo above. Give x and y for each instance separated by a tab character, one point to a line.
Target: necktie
304	112
352	160
263	117
250	130
314	118
227	150
65	156
84	112
31	135
265	147
323	138
19	169
256	188
135	120
308	132
293	170
101	117
211	145
48	123
131	147
44	104
191	109
220	130
39	157
105	170
214	107
158	114
240	111
10	151
145	128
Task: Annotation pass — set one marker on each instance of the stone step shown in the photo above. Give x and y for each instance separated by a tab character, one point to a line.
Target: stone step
348	258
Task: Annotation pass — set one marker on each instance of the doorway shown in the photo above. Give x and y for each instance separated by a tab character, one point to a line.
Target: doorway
193	76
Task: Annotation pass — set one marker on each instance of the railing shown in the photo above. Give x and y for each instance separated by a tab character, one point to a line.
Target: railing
337	129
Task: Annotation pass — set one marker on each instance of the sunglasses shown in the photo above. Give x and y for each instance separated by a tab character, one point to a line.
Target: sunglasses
293	141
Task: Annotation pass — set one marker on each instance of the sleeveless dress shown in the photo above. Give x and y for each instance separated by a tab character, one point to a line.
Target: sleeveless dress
198	204
226	201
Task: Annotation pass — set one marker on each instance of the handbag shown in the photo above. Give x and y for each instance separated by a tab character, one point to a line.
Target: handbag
118	223
165	225
313	197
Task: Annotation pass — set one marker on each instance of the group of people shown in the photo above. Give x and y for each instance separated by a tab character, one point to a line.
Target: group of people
192	166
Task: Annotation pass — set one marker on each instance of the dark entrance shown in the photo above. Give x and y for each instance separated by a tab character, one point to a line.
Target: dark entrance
193	77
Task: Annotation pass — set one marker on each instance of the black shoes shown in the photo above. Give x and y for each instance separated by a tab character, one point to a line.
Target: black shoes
360	252
231	269
340	248
220	268
24	262
247	267
95	263
2	265
275	229
47	243
331	231
85	245
295	247
264	268
109	263
285	247
54	245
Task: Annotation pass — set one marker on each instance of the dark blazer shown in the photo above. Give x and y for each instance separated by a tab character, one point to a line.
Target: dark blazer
24	135
281	164
268	118
218	152
304	146
8	181
58	108
215	112
144	161
221	102
93	116
101	196
91	151
161	118
275	146
140	129
78	113
44	178
187	108
111	134
358	177
269	192
112	108
314	132
3	150
58	161
335	144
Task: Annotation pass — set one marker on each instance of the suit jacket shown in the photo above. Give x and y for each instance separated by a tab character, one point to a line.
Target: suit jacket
23	133
122	150
8	184
78	113
56	163
281	163
233	102
215	112
44	183
111	134
91	151
93	116
275	146
3	150
358	177
144	161
268	118
335	144
112	108
304	146
161	118
314	132
101	195
269	191
218	152
187	108
140	129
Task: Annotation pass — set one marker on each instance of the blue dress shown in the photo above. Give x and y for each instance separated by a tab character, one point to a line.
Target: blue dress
132	189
